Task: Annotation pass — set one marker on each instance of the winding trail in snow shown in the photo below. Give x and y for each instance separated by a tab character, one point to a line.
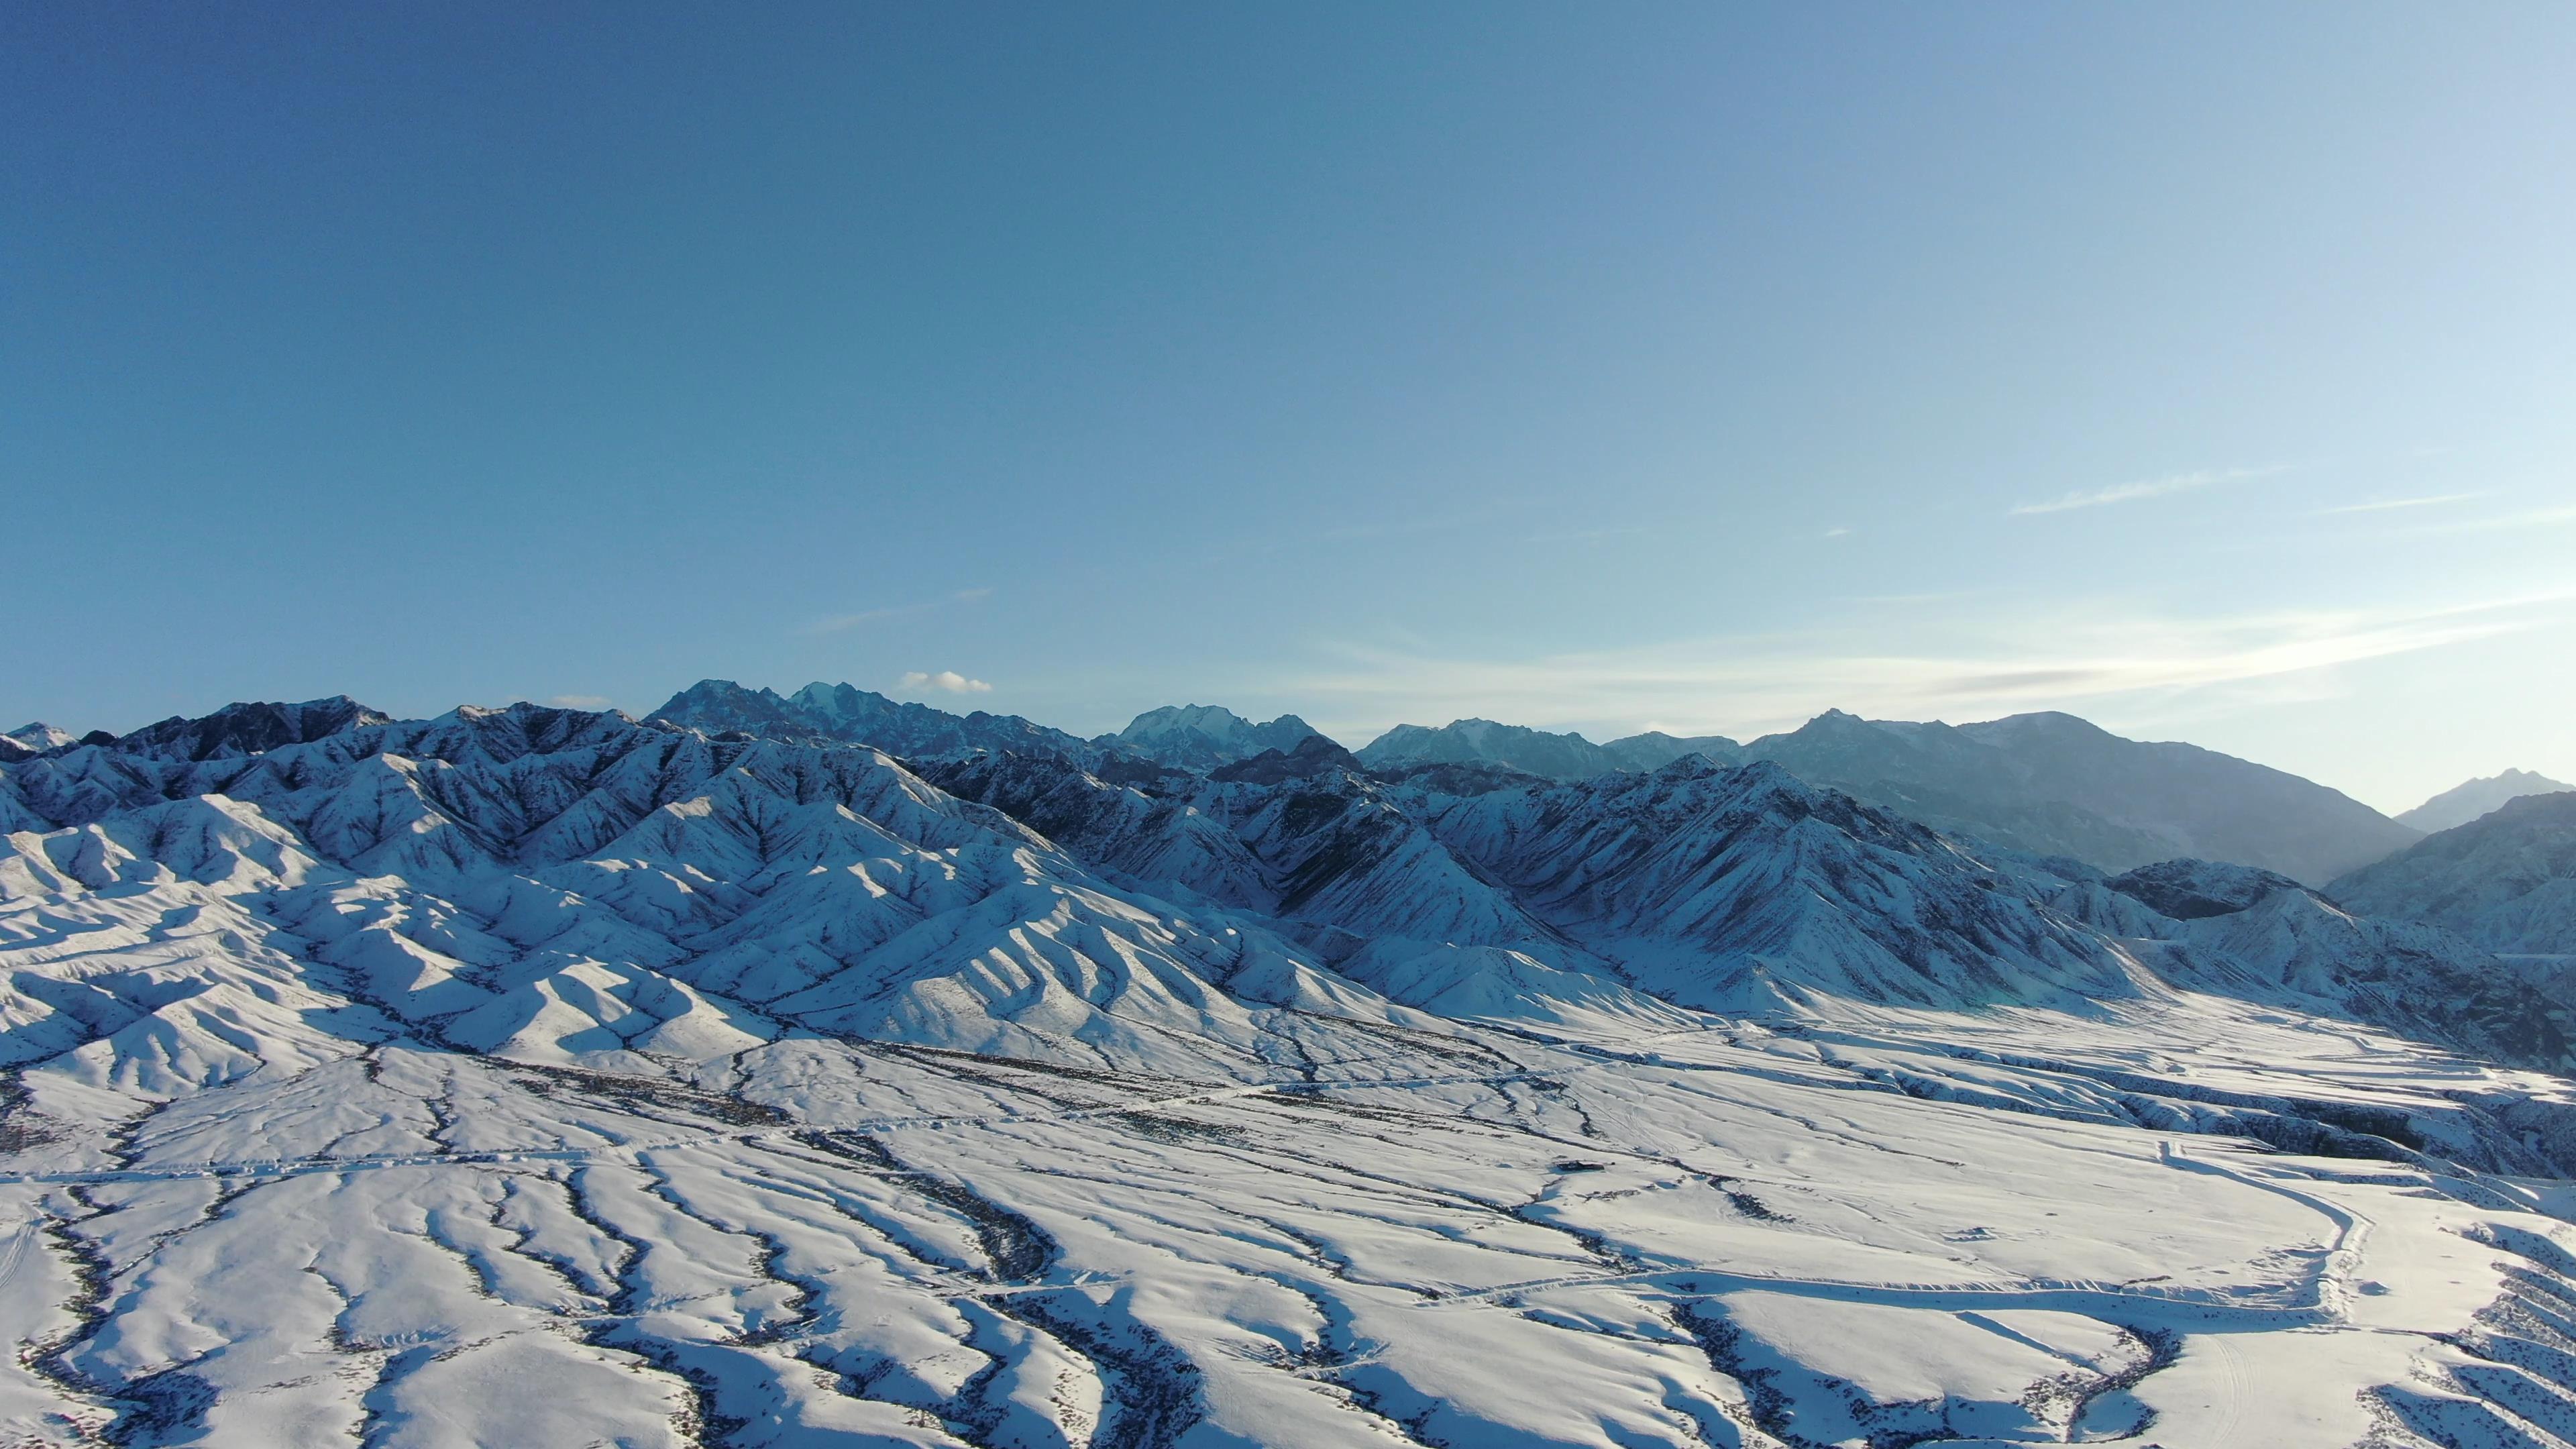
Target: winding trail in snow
2317	1299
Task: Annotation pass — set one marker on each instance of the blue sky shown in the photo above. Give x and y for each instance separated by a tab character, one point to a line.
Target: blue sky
2208	371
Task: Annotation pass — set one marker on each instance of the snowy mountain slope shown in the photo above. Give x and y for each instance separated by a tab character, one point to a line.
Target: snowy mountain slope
538	1076
1748	889
2262	936
852	715
1329	846
2506	880
1204	736
2466	802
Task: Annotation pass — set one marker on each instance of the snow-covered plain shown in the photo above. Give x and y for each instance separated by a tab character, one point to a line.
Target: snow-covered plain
535	1077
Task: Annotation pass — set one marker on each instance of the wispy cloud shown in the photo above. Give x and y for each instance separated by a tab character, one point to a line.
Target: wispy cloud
842	623
946	679
2544	517
1585	535
1904	666
1837	533
580	701
2144	488
2386	505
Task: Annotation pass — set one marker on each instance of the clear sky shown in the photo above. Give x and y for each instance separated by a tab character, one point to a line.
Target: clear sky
2209	371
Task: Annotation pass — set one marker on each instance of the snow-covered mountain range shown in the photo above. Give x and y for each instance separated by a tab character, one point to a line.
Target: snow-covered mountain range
2051	784
549	1076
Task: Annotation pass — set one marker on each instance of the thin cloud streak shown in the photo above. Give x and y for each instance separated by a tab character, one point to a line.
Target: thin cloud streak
2147	488
2389	504
1750	684
2527	518
842	623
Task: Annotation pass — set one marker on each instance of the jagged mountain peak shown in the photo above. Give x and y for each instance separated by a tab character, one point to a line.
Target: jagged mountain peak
1205	736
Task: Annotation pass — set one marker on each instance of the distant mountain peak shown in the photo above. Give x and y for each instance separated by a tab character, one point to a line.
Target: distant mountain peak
2465	802
32	739
1205	736
1567	756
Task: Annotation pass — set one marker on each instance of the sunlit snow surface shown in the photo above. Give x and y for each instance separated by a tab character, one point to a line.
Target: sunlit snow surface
432	1090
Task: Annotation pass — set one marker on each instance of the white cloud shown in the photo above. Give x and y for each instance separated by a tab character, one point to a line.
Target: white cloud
836	623
580	701
2148	488
947	679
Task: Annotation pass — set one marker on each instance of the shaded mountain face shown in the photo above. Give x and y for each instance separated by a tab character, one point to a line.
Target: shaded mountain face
2046	784
2463	803
2053	784
2506	880
850	715
1748	889
1313	755
238	730
1204	736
